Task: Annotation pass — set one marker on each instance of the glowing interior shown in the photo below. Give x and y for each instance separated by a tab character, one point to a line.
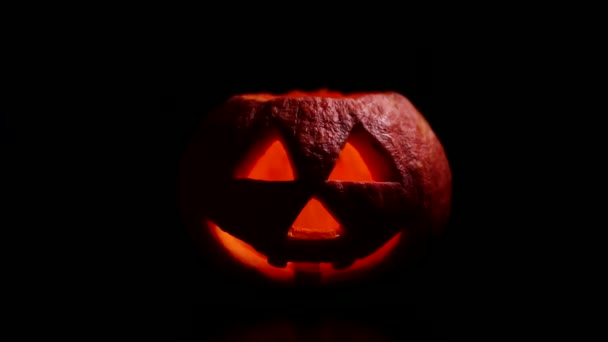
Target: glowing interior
361	161
299	94
248	256
351	167
315	223
273	165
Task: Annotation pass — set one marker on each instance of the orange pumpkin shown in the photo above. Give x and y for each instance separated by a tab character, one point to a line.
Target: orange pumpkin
322	186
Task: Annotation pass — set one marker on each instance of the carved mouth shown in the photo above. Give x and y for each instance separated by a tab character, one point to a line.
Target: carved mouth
247	255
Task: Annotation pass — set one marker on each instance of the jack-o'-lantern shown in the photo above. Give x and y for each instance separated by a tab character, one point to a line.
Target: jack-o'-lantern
320	185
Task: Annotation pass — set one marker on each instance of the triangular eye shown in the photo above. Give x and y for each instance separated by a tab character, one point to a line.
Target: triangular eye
363	160
267	161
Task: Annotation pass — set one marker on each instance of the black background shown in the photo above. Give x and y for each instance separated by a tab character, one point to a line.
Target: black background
137	98
459	287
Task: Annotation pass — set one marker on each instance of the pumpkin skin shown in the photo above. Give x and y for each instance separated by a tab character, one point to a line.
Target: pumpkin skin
321	186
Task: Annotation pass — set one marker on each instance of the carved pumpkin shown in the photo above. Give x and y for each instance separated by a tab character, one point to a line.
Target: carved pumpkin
320	185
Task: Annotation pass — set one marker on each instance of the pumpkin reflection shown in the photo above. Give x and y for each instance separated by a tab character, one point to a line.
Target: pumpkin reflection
305	331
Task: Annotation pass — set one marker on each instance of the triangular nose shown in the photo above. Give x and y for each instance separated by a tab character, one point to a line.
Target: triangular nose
314	223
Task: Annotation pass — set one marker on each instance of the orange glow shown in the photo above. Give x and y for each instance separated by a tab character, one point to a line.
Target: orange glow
315	223
273	165
360	161
248	256
299	94
351	167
